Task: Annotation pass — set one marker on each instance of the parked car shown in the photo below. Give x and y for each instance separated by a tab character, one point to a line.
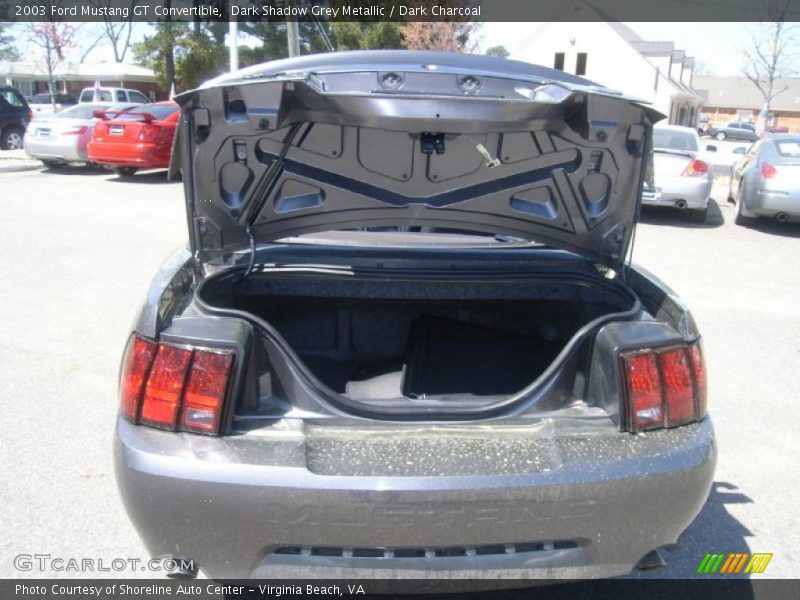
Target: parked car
735	130
133	140
765	182
62	138
113	94
683	176
42	104
405	338
14	118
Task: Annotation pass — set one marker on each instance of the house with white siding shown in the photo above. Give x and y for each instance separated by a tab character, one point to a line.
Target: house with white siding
613	55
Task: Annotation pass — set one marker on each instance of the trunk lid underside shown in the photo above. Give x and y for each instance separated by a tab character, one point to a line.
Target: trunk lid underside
412	140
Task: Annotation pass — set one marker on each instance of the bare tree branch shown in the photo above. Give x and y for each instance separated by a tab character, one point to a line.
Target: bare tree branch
771	51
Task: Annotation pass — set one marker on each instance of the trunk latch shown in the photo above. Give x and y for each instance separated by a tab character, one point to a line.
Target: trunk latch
432	141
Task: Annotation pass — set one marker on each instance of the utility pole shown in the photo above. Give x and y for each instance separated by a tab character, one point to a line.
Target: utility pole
292	33
233	43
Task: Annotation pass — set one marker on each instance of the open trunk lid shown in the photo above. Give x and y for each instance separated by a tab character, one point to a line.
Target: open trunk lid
413	139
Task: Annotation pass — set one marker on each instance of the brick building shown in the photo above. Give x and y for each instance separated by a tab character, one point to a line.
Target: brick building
737	98
31	77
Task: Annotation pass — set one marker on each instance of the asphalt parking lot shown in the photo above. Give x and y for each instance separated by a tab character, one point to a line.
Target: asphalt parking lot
79	247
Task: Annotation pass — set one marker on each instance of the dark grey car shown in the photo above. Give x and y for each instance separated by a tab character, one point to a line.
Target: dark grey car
404	340
735	130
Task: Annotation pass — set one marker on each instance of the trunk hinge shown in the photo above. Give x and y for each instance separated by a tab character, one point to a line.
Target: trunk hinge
613	244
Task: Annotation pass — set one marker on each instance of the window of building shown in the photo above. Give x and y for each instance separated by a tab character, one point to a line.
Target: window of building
558	63
580	64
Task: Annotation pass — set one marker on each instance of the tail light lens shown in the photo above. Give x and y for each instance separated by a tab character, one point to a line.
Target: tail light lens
76	130
135	366
149	133
768	171
205	392
696	168
162	395
174	387
664	387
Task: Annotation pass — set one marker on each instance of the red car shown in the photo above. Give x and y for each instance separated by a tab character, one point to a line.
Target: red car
135	139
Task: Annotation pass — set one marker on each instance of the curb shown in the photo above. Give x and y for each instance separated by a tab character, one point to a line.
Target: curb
14	161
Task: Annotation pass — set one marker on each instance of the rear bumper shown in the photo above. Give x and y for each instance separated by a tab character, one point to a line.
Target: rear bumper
63	149
693	191
589	504
139	155
771	199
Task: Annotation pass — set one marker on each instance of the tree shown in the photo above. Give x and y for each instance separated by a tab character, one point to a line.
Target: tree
497	51
7	50
157	51
450	36
117	33
351	35
198	58
771	51
272	35
55	39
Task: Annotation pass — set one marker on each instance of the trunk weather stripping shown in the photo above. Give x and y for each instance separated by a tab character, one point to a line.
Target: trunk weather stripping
415	413
263	189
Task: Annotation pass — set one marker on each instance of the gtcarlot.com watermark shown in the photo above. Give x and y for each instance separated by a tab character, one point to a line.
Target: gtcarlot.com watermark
71	564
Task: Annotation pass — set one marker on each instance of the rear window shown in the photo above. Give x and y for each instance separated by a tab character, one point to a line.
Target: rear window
789	148
96	96
674	140
13	98
80	111
159	112
86	111
138	97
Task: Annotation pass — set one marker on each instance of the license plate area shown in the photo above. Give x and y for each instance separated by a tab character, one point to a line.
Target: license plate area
116	129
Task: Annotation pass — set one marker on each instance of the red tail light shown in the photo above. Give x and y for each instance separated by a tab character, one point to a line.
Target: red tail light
644	391
677	385
205	392
76	130
162	395
135	366
172	387
768	171
149	133
665	387
696	168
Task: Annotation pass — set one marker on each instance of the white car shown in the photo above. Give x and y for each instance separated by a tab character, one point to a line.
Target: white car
61	138
113	94
683	179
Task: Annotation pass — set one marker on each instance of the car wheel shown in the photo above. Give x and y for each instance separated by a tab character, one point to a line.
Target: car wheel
740	218
12	139
124	171
721	136
698	216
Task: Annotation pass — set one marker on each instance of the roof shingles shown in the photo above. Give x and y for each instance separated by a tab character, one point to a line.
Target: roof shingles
740	92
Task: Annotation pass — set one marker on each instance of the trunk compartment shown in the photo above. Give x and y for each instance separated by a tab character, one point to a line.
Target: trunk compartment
453	339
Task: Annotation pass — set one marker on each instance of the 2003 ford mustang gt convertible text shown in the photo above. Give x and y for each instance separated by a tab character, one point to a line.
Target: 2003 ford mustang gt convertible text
405	339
